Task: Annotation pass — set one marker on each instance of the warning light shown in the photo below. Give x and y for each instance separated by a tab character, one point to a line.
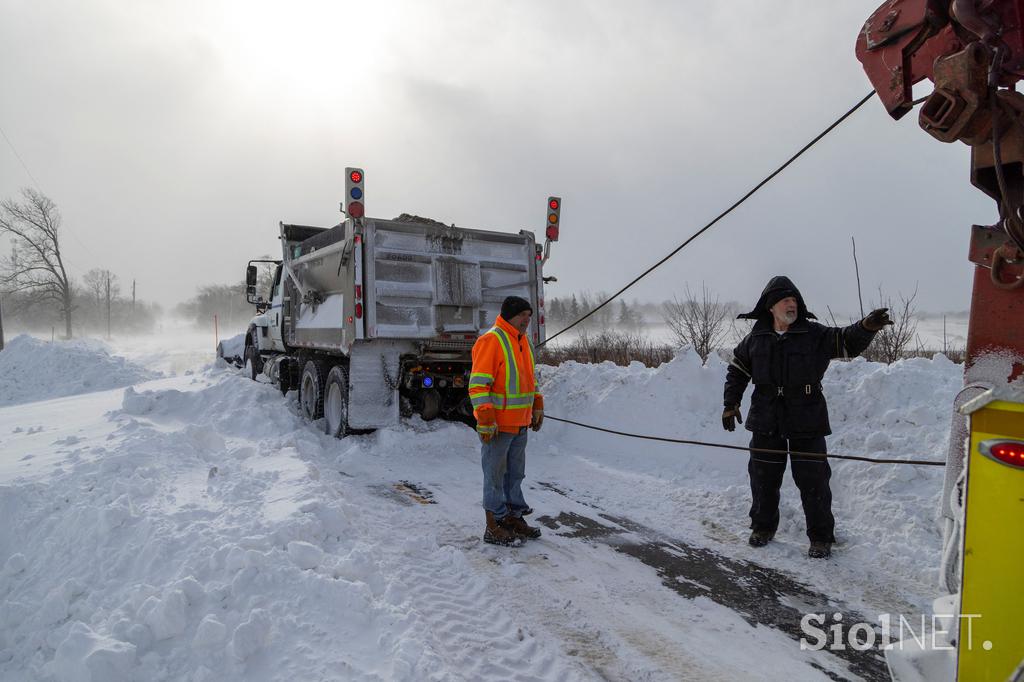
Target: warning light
1009	452
554	209
427	382
354	193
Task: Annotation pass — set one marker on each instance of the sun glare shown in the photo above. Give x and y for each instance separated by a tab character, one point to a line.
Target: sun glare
313	50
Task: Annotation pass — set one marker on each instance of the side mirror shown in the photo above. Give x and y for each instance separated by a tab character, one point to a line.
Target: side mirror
250	293
250	276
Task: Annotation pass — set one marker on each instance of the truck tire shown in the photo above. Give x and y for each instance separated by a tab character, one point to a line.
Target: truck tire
336	402
431	404
311	390
253	362
252	356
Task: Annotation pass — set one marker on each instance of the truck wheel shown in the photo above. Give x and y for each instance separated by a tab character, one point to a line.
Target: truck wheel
311	390
253	362
336	402
431	404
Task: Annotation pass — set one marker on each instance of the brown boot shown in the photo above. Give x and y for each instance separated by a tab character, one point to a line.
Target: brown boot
519	527
496	534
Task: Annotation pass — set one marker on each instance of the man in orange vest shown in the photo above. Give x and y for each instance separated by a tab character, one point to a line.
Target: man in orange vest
503	390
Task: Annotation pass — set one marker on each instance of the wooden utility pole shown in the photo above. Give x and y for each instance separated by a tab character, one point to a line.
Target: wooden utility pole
108	304
1	322
133	299
856	269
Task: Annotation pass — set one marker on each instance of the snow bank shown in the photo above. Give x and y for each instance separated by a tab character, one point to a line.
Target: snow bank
232	349
32	370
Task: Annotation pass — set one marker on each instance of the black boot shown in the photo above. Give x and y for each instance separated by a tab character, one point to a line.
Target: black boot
760	538
819	550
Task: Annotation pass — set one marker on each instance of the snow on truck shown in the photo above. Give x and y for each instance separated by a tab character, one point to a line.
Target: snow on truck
375	319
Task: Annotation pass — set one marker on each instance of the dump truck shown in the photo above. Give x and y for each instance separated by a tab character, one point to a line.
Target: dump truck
371	320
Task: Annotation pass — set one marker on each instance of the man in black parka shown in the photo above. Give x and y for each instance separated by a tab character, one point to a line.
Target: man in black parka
785	355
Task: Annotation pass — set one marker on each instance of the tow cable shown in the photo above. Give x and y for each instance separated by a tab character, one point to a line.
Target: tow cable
814	455
721	215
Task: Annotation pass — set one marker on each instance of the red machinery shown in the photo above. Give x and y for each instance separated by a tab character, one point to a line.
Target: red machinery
973	50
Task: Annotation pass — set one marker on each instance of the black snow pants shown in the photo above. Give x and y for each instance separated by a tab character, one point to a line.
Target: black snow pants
810	475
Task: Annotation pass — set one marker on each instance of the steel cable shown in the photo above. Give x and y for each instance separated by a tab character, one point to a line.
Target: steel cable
814	455
721	215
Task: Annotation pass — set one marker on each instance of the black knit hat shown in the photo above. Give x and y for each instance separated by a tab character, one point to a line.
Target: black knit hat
777	295
513	305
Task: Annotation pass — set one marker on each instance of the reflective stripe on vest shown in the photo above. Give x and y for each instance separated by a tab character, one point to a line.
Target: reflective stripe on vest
513	399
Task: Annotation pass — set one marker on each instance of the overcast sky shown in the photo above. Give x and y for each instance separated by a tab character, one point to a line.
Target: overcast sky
175	135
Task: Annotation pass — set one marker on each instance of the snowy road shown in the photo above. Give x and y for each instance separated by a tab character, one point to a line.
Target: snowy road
194	528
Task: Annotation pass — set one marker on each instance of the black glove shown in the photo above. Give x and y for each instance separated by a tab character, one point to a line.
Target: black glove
730	416
876	319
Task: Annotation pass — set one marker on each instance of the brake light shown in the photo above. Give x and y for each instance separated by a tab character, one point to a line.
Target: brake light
1009	452
359	291
354	194
359	310
554	209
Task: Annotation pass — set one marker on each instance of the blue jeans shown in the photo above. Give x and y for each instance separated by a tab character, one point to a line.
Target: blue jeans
504	465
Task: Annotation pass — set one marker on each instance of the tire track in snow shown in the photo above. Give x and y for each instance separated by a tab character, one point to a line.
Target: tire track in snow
464	615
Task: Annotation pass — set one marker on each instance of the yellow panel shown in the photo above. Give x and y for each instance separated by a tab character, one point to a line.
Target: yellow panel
993	557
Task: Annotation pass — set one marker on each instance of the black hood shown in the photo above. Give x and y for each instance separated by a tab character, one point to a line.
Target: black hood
778	284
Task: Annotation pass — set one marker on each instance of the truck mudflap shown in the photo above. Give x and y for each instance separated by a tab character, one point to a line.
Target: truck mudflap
374	378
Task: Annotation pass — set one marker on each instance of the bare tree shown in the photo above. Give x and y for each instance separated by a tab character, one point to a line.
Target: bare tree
95	282
35	265
698	323
894	341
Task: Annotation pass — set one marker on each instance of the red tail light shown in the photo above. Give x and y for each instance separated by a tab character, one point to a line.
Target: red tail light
359	291
359	310
1009	452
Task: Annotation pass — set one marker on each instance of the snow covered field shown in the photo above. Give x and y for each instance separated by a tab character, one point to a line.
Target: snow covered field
192	527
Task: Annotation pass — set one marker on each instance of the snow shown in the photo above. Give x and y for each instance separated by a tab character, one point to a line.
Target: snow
31	369
195	528
232	349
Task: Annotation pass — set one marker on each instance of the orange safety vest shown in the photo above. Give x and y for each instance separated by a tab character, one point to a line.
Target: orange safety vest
503	378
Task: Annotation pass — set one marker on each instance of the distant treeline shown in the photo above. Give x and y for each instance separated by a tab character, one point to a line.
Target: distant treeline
92	306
